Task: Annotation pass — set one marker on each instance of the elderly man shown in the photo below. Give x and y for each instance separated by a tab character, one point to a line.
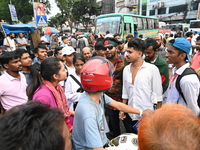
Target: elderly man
87	53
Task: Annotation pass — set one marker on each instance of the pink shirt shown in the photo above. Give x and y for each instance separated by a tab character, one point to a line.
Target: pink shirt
196	61
12	90
45	96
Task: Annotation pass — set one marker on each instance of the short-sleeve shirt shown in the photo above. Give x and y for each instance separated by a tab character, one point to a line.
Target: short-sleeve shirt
88	130
21	41
11	42
12	90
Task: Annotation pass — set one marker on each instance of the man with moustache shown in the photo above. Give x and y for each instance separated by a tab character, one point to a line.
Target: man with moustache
178	54
87	53
162	49
9	42
12	82
152	57
141	82
115	92
26	62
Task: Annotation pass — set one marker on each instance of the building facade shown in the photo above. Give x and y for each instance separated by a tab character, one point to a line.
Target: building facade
170	11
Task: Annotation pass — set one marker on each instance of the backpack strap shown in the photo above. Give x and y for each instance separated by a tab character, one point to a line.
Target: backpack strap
76	80
187	71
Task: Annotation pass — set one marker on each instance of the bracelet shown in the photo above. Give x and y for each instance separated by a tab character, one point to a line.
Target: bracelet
141	112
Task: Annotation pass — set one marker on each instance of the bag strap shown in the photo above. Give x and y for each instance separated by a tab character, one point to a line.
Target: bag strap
187	71
76	80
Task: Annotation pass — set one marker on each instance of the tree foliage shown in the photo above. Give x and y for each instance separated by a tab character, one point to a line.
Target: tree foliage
24	9
57	21
78	10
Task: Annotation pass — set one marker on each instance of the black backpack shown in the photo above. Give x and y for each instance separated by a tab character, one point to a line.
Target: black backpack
187	71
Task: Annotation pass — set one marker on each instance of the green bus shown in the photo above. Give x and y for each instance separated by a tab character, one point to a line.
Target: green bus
125	24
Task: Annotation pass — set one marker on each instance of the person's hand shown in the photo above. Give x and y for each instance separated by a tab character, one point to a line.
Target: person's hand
147	112
122	116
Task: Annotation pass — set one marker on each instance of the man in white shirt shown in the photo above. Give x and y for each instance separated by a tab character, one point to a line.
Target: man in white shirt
9	42
21	41
141	82
178	54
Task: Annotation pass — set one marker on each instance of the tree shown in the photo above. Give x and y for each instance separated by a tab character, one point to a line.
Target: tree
83	10
24	9
57	21
65	7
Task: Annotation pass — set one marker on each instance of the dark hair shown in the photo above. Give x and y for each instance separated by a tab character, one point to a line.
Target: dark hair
21	52
107	32
57	49
7	56
64	37
116	34
78	56
137	44
188	34
198	38
129	36
99	44
171	35
48	67
151	42
37	48
32	126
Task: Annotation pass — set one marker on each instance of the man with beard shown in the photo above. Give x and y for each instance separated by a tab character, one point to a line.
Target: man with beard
162	50
196	59
26	62
178	54
141	82
9	42
12	82
152	57
121	49
21	41
115	92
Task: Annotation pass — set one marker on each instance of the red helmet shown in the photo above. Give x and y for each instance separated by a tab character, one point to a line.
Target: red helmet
96	75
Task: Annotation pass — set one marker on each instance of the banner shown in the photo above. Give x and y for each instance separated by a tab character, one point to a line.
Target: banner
39	12
13	12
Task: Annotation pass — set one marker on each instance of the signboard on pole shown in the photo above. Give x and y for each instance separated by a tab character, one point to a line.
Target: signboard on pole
13	12
40	17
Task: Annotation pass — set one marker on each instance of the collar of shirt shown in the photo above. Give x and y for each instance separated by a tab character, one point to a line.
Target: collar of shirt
181	69
11	78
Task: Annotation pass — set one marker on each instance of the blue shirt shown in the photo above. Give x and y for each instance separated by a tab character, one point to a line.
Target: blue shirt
88	129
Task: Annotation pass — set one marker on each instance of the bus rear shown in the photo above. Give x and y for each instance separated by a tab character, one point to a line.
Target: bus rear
195	26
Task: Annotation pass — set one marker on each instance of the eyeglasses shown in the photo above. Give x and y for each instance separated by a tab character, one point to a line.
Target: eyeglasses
109	47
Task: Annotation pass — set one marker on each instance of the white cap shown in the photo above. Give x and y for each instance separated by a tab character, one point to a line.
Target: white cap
68	50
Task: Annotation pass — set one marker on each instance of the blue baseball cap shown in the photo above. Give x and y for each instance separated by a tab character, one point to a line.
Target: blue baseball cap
182	44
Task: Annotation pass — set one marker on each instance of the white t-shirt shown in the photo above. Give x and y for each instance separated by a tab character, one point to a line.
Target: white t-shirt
10	42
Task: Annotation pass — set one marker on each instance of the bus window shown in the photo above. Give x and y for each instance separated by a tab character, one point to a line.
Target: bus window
134	19
140	25
156	24
144	23
127	28
150	23
120	28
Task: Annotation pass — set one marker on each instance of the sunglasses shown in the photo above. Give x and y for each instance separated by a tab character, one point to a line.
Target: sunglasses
109	47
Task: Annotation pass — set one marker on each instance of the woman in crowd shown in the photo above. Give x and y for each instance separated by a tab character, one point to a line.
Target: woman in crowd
46	88
73	87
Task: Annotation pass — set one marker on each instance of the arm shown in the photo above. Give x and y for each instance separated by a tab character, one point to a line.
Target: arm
157	85
99	148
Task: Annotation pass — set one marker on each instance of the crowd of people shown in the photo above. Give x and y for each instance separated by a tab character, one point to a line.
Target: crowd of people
50	99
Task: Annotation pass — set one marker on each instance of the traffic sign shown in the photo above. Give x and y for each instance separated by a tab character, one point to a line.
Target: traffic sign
41	20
